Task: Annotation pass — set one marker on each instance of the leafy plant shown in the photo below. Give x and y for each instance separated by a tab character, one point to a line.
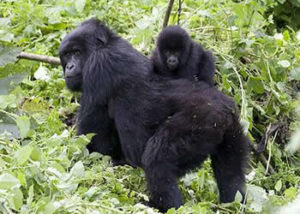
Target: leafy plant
44	166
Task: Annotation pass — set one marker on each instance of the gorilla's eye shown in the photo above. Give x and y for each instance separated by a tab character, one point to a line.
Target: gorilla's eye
167	53
77	53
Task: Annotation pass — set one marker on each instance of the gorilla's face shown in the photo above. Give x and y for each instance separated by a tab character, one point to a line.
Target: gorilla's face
171	59
75	49
72	59
174	47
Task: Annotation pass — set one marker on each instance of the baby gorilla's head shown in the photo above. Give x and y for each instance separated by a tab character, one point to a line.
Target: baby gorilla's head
173	46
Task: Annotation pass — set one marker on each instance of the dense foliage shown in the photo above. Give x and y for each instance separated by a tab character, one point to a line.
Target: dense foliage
45	168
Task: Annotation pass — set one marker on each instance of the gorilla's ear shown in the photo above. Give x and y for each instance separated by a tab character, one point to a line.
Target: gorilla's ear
101	40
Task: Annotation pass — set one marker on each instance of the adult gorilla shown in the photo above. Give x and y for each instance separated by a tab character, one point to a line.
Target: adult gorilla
165	127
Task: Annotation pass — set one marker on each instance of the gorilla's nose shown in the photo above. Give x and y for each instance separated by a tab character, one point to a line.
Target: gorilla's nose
70	66
172	61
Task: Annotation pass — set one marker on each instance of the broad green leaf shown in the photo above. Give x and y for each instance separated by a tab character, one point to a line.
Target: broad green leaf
294	144
238	197
295	74
189	178
42	73
90	193
23	154
23	124
257	196
22	178
35	154
49	208
225	82
6	36
7	101
284	63
291	193
278	185
286	36
8	54
8	180
79	5
17	198
77	170
29	199
255	84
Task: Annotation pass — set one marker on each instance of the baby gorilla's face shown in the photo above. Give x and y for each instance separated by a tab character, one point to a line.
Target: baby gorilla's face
171	59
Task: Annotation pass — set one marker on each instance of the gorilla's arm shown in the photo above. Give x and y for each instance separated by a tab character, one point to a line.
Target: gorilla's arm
95	119
206	67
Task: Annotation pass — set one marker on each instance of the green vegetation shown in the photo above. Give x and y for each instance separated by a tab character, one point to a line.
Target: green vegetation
44	166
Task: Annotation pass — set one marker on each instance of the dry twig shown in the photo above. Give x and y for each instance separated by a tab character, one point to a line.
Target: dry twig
168	13
40	58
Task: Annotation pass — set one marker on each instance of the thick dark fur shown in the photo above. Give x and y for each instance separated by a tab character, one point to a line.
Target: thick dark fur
166	127
195	63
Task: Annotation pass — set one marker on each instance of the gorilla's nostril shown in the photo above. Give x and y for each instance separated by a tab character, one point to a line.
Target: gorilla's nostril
172	61
70	66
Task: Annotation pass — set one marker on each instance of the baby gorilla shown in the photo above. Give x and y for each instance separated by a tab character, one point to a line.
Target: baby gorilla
177	56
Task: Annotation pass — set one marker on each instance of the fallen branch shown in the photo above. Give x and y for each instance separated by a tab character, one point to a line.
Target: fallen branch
167	16
264	141
40	58
263	159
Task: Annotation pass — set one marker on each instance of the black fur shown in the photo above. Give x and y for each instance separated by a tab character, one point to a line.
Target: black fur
166	127
192	61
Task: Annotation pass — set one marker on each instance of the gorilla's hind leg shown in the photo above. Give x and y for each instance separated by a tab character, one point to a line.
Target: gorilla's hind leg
228	164
162	174
169	155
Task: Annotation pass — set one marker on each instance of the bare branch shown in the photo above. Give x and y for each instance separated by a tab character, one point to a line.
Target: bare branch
40	58
179	11
168	12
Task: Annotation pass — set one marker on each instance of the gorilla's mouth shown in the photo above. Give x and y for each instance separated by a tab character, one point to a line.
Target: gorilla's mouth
73	77
172	66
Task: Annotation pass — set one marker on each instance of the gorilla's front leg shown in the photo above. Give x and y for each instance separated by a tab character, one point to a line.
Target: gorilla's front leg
95	119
